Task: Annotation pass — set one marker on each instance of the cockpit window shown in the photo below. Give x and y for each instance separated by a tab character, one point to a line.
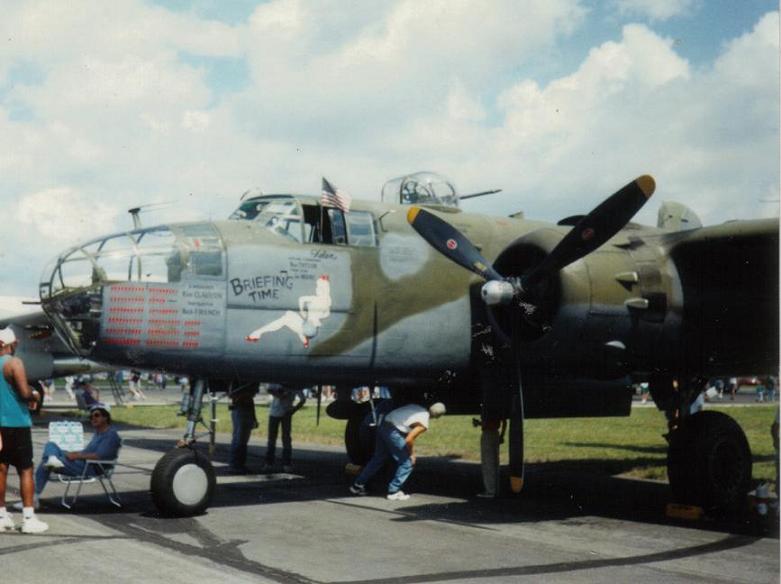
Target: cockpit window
285	216
360	229
248	210
202	249
280	214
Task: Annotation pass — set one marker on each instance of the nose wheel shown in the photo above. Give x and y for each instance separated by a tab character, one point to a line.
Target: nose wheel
183	481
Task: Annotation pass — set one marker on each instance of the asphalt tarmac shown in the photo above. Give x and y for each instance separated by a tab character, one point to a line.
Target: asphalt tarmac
569	525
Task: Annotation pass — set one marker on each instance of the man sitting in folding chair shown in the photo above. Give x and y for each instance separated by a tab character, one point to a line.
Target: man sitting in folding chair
96	461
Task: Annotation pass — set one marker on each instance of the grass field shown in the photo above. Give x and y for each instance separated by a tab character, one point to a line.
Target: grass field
633	445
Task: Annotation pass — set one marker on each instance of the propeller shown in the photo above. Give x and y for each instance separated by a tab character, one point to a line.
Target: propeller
588	234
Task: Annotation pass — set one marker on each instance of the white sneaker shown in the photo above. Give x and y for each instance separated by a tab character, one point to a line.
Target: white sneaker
53	463
358	489
397	496
34	525
7	523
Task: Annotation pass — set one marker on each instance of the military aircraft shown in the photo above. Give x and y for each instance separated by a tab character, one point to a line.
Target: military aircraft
510	317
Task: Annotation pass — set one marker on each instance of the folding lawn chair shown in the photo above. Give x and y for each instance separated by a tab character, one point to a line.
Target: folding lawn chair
70	436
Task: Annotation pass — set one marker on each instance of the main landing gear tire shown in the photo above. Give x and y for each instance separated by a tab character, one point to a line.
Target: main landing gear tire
358	441
183	483
709	463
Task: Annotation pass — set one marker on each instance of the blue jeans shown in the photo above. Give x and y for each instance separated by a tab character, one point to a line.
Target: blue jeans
72	467
243	420
274	422
389	444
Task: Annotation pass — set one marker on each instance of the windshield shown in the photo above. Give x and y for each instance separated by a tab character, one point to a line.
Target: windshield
280	214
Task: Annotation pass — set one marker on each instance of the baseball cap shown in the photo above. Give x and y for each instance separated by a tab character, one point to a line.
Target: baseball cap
437	409
105	407
7	336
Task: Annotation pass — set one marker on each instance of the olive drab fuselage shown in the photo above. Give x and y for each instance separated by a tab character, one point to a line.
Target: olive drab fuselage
310	295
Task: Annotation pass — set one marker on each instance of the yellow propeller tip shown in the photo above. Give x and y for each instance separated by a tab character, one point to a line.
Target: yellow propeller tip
647	184
412	213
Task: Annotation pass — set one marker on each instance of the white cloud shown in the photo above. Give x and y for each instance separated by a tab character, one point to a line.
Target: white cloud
195	121
633	106
657	9
118	119
398	64
61	215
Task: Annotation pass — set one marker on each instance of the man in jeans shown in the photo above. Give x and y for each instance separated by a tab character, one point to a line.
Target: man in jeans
283	406
104	445
242	408
396	437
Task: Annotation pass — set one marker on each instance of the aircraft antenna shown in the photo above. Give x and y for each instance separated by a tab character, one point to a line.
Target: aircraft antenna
136	219
480	194
135	212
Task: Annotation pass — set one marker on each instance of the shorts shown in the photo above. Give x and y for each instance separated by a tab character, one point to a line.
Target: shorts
17	448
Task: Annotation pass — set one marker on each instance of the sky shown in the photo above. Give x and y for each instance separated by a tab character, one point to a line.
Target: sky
106	106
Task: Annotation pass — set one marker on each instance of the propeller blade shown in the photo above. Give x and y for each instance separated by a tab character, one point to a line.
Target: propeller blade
516	443
516	414
594	229
451	243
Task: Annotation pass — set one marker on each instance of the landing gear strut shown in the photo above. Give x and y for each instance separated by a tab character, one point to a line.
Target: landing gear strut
183	481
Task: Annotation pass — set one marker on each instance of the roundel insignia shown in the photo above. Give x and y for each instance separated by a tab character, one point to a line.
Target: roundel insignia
451	244
587	233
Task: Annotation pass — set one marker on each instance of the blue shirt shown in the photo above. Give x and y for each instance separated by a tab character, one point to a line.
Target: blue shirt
13	409
104	444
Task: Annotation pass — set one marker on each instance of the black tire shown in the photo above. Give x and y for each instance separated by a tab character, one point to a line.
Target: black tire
358	442
183	483
709	463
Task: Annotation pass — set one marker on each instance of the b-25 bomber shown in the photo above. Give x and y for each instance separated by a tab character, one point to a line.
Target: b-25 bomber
503	316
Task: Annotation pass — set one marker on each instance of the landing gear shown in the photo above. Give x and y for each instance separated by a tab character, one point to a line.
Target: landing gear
709	462
183	481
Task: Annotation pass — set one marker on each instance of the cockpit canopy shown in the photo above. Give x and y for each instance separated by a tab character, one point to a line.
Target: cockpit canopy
155	254
421	188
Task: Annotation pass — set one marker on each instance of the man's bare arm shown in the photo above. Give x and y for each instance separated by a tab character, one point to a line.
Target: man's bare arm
16	375
416	431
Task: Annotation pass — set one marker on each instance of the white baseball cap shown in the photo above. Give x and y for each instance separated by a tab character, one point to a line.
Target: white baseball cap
7	336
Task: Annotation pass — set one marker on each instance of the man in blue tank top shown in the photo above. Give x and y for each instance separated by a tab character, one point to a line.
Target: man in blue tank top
15	432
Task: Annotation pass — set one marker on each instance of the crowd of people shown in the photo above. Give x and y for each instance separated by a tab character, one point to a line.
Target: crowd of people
765	388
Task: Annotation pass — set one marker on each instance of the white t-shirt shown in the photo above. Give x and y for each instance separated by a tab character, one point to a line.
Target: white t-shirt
405	416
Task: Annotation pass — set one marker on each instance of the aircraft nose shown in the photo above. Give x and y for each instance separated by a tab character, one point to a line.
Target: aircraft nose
74	285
